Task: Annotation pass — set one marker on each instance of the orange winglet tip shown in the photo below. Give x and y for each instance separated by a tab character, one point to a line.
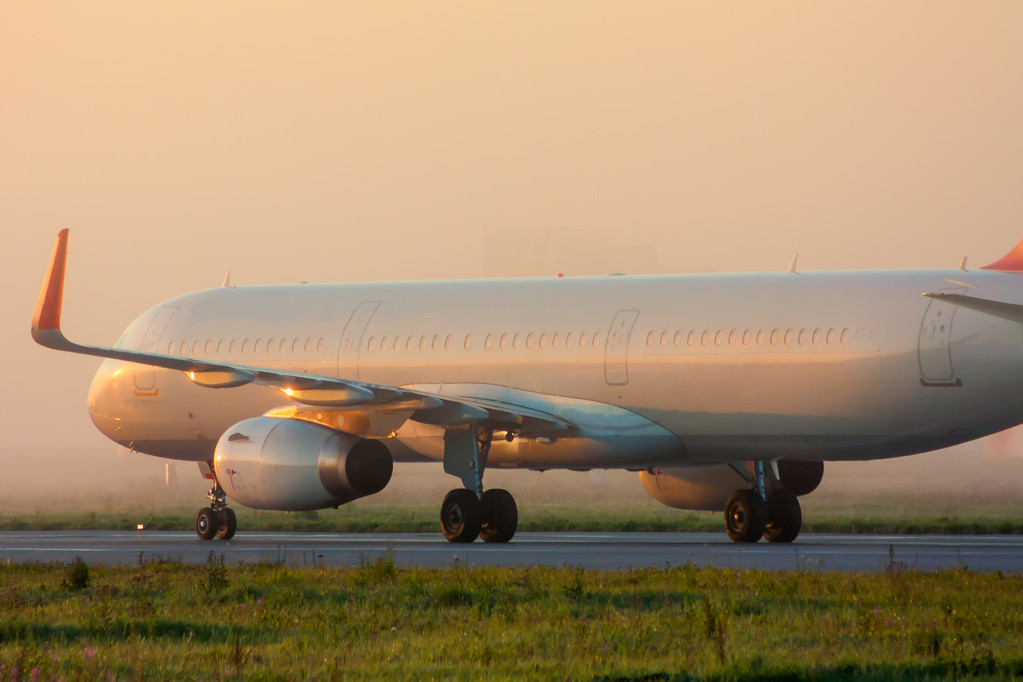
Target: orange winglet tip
51	298
1010	262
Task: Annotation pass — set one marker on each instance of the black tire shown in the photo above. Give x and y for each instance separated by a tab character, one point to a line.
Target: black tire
461	516
228	525
784	516
206	523
745	516
500	516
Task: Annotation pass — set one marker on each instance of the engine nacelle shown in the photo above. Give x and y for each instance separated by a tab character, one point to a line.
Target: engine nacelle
699	488
800	478
293	465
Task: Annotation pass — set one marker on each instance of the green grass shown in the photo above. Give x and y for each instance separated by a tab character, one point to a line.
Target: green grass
271	622
873	518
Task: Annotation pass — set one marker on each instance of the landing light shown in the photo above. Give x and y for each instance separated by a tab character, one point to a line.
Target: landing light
140	529
288	392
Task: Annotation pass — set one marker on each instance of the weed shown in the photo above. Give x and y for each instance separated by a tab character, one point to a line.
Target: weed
214	577
76	575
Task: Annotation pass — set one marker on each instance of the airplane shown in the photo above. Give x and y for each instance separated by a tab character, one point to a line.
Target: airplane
726	392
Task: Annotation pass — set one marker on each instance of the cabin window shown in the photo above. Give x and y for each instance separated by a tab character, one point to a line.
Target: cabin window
596	339
422	342
468	341
582	339
691	338
733	337
568	340
435	344
504	340
515	340
774	337
746	337
845	334
488	341
719	336
788	337
529	340
650	339
816	336
294	345
802	336
230	347
245	346
678	338
271	343
383	343
170	348
220	347
664	338
397	343
257	347
555	339
831	335
543	340
705	338
308	344
319	345
371	342
447	342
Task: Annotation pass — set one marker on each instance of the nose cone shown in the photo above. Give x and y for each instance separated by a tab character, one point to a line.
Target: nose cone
107	404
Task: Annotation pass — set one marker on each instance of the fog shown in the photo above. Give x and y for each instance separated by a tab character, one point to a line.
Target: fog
392	140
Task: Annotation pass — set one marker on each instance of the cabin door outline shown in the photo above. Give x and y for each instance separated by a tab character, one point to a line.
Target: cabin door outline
616	348
934	347
351	339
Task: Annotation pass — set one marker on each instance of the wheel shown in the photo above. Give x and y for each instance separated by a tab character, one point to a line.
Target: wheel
206	523
784	517
228	525
461	516
745	516
500	516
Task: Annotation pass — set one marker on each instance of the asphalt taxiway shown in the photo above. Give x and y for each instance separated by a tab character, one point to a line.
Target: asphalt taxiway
811	552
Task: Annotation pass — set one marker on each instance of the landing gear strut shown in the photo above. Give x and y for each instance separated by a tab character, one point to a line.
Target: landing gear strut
471	512
218	520
754	512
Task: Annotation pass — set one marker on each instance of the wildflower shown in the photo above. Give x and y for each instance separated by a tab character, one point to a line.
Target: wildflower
259	602
34	675
89	653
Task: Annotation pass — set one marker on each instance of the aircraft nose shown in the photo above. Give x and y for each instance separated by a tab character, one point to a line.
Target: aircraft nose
106	397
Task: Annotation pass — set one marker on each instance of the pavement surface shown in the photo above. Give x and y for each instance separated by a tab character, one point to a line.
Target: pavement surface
605	551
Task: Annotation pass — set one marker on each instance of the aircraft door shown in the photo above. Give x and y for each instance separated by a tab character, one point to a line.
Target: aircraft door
145	375
616	348
351	339
935	346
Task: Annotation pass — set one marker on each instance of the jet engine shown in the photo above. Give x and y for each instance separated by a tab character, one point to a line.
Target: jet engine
800	478
292	465
700	488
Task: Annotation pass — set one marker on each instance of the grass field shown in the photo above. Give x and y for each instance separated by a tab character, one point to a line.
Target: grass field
270	622
874	517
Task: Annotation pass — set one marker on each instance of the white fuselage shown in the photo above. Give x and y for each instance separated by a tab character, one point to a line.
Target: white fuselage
662	369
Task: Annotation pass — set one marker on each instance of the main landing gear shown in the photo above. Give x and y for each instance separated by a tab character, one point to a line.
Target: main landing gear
751	515
471	512
218	520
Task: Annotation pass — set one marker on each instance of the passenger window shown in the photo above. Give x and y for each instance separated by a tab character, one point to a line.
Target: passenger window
488	341
436	342
422	342
468	341
650	338
170	348
596	339
788	337
664	338
230	348
705	338
691	339
678	338
515	340
504	340
220	347
319	345
845	335
184	345
568	340
582	339
257	347
816	336
529	340
447	342
370	343
543	339
831	335
195	348
294	345
760	337
719	336
746	337
245	346
555	338
774	337
308	343
383	343
282	346
802	336
271	343
733	336
410	342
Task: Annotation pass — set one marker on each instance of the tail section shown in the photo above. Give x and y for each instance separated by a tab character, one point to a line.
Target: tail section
1010	262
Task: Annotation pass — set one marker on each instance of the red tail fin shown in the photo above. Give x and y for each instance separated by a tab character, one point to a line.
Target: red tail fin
1010	262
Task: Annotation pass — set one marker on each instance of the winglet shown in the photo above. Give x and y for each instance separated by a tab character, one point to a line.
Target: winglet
51	298
1010	262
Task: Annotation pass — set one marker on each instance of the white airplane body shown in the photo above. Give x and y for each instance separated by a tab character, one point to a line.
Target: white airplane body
704	383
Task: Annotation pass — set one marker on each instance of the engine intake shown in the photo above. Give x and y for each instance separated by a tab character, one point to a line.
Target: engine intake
294	465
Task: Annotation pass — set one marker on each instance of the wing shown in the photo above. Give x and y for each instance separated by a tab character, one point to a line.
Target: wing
307	389
1007	311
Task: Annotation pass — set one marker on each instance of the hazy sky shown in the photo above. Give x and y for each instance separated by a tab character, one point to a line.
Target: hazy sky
329	141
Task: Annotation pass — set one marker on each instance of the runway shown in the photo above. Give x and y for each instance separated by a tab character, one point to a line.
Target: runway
604	551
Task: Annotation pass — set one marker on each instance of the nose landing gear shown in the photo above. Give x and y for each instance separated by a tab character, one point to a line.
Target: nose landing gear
218	520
